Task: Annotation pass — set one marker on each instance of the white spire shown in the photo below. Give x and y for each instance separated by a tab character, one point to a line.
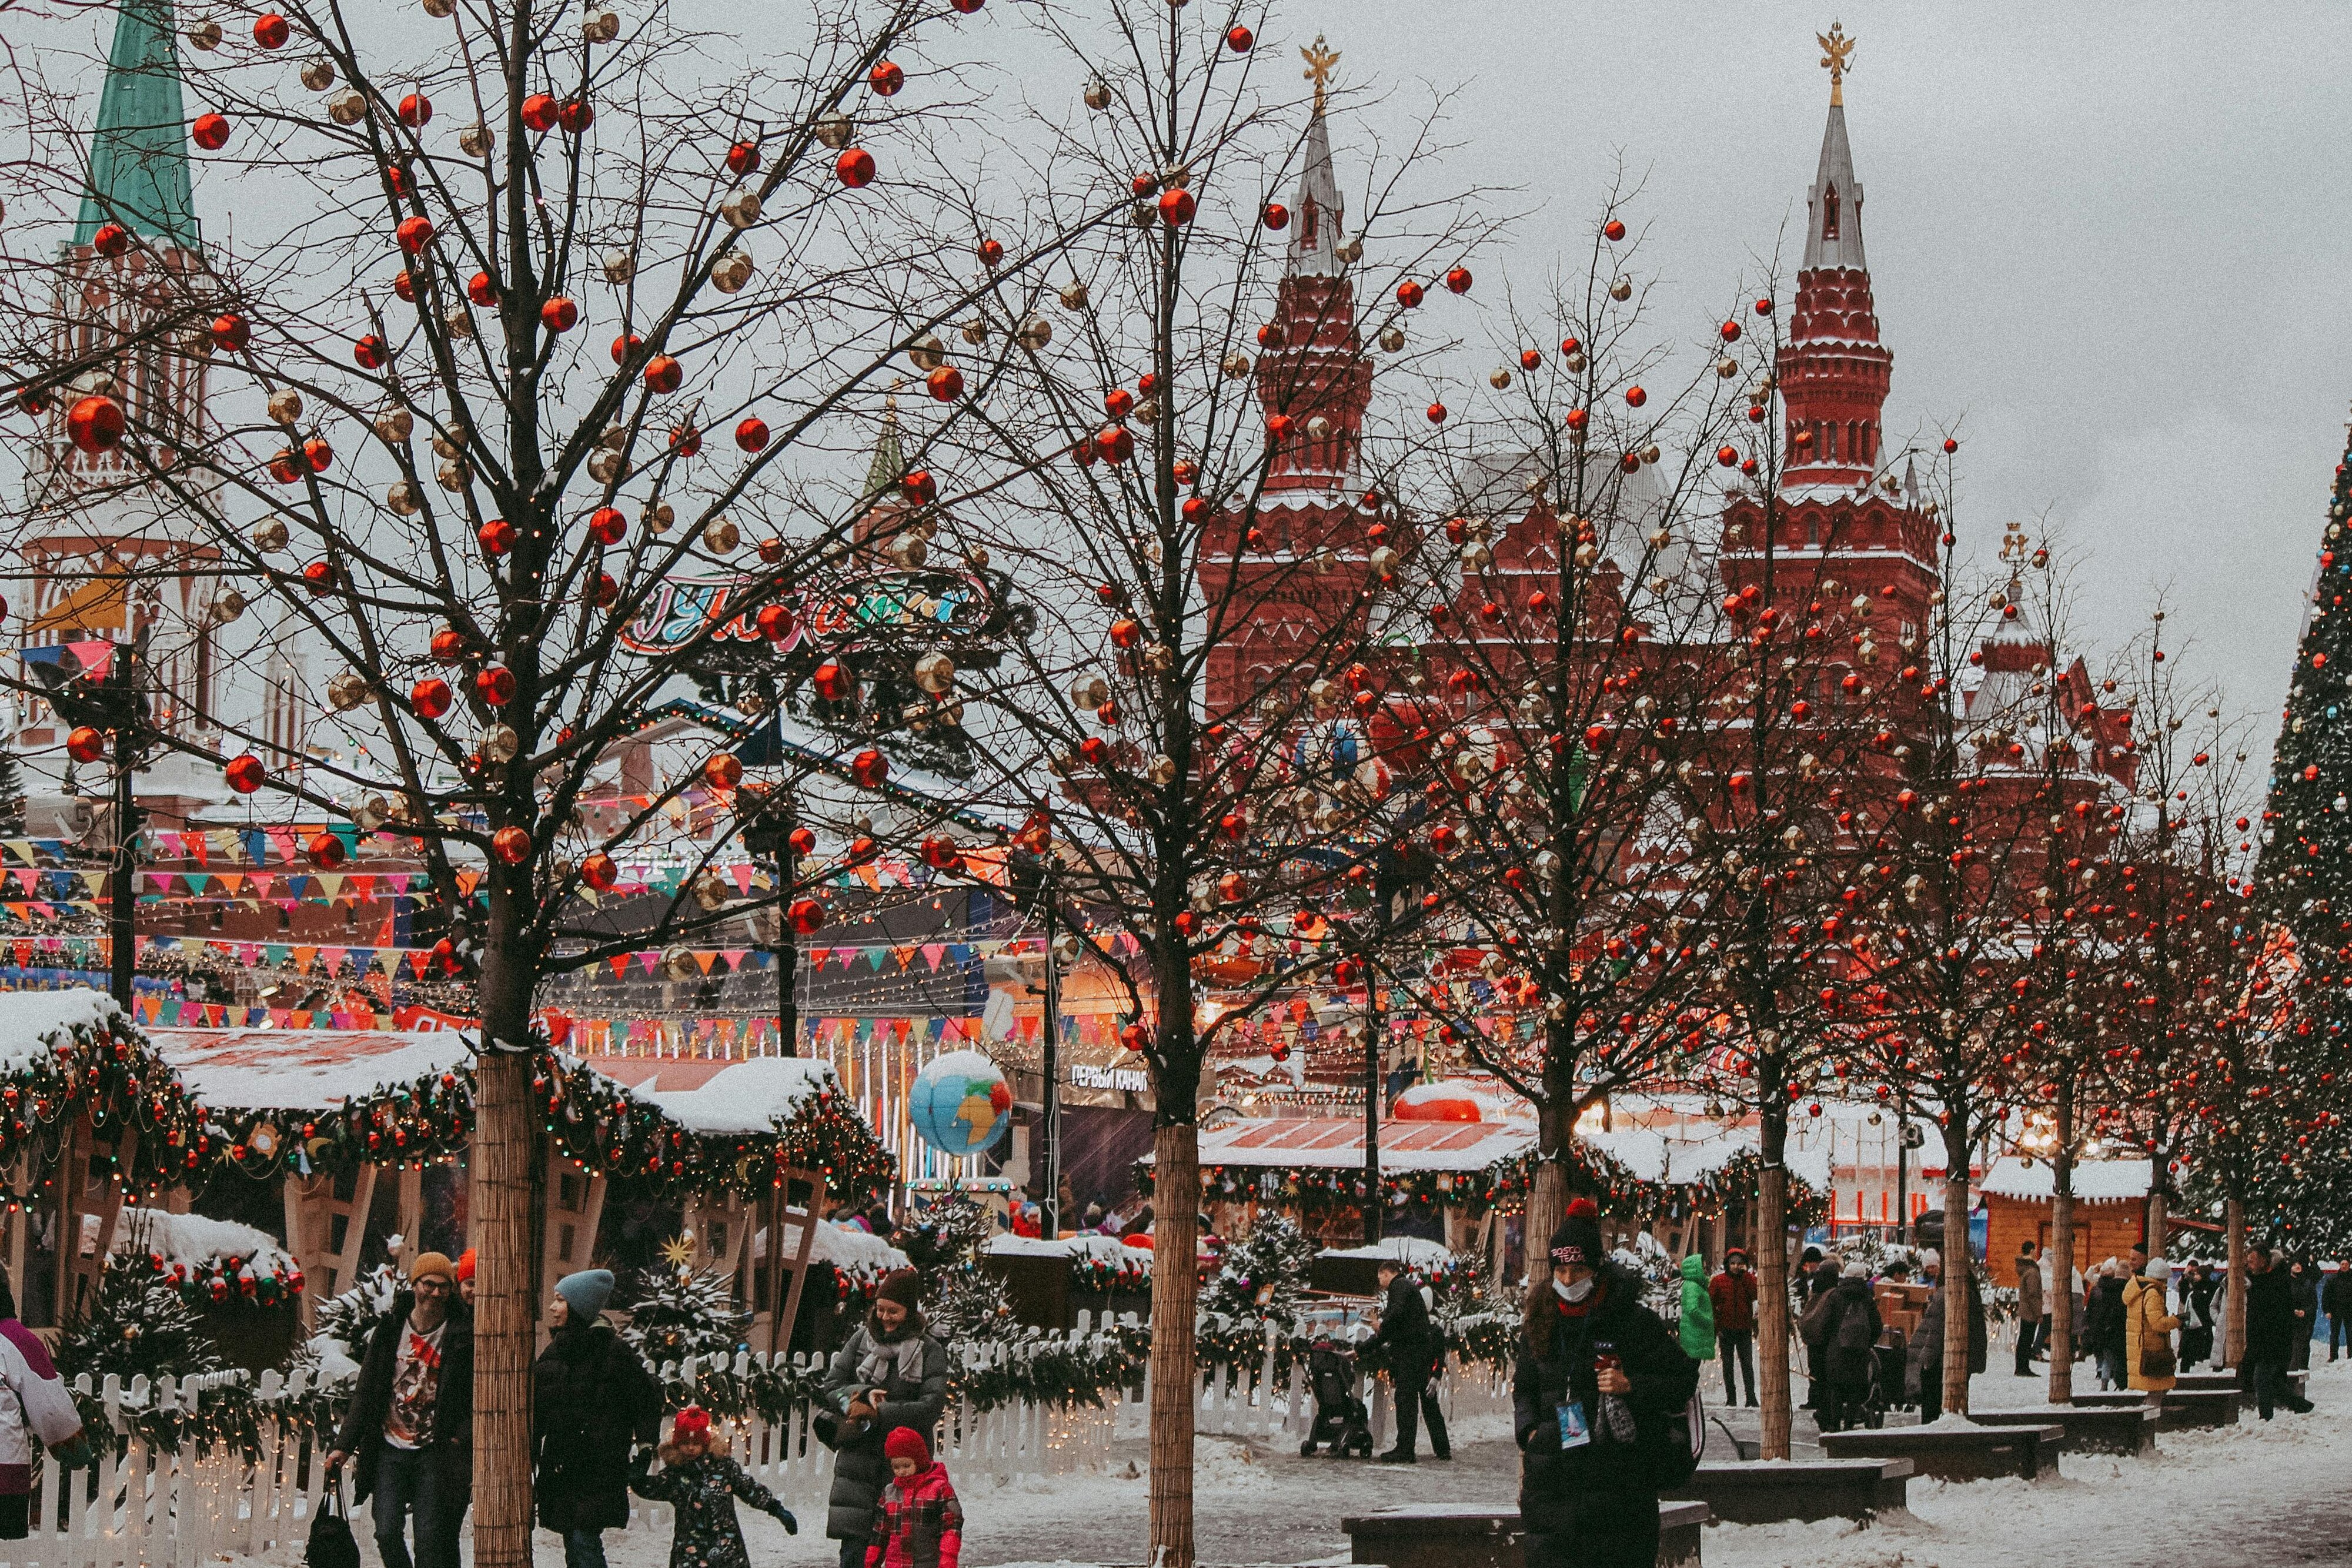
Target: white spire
1318	213
1833	206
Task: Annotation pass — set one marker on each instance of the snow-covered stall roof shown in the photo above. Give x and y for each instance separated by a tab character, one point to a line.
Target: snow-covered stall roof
1416	1250
2095	1181
304	1070
1091	1245
193	1241
721	1099
32	1023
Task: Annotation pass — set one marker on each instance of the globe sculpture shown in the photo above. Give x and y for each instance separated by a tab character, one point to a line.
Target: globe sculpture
960	1103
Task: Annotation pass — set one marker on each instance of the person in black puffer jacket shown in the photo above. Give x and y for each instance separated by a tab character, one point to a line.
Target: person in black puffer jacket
891	1372
593	1403
1587	1343
1410	1345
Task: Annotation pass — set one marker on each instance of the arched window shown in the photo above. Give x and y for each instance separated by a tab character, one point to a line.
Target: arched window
1830	213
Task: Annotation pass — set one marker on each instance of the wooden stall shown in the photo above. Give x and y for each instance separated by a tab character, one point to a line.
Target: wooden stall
2110	1209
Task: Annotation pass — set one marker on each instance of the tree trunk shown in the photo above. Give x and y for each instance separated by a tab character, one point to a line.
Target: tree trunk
503	1171
1960	1289
2061	1295
1175	1291
1771	1244
2159	1217
2233	1337
1548	1192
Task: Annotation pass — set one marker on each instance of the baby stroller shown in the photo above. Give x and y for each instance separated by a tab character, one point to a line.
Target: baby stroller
1342	1421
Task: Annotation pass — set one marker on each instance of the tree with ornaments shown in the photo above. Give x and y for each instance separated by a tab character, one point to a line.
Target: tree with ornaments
138	1324
1208	528
519	396
1261	1279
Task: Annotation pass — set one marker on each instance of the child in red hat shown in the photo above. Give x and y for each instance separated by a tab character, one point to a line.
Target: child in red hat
917	1523
702	1483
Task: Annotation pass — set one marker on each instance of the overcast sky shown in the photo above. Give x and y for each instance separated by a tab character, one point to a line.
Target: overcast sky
2109	243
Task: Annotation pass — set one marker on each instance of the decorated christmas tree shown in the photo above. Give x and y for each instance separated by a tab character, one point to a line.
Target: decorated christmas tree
1262	1279
137	1325
679	1310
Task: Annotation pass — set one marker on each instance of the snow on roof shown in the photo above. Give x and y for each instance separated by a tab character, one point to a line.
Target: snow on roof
1411	1250
854	1251
32	1023
305	1069
1091	1244
2095	1181
721	1099
193	1238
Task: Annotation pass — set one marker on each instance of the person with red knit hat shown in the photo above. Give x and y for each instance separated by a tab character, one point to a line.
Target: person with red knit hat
702	1483
917	1522
1598	1397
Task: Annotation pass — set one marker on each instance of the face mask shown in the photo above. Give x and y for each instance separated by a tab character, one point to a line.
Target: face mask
1575	1293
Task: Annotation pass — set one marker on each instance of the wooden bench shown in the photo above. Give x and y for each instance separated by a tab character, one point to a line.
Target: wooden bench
2088	1431
1770	1492
1473	1535
2298	1384
1953	1453
2177	1411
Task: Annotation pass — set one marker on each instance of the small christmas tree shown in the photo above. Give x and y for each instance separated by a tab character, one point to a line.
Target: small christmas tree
349	1318
679	1310
1263	1276
137	1325
966	1303
12	793
948	1236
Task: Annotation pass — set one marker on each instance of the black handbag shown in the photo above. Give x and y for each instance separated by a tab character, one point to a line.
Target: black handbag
331	1544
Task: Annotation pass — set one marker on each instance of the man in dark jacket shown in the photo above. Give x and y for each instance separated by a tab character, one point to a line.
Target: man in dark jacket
2302	1284
410	1423
1816	1276
1850	1331
2336	1298
2028	1307
2104	1325
1408	1343
2198	1289
891	1372
2270	1333
1925	1355
1596	1392
1733	1296
593	1403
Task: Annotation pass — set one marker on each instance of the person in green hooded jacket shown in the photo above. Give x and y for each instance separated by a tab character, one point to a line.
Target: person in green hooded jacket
1699	1311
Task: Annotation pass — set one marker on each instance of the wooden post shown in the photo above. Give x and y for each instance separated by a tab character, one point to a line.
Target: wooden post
411	1213
781	1212
330	1253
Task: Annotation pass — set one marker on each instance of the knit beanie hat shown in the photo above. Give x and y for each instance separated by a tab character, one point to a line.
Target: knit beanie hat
2158	1270
1856	1270
693	1423
906	1443
430	1264
1578	1240
903	1286
1734	1254
465	1264
586	1292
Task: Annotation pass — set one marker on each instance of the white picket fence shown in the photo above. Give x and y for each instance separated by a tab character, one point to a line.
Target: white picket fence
155	1506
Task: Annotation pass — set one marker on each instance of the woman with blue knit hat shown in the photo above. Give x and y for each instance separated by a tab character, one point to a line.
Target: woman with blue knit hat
594	1402
1595	1395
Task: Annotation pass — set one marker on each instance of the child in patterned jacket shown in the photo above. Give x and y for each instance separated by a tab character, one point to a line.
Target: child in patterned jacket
917	1523
702	1483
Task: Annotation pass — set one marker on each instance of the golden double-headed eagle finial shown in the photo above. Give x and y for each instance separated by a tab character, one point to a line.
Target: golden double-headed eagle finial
1837	50
2013	542
1319	61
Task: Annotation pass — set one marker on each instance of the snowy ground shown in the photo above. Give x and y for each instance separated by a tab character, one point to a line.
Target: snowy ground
2254	1494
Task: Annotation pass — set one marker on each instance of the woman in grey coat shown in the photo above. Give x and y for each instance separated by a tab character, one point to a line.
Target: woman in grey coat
890	1373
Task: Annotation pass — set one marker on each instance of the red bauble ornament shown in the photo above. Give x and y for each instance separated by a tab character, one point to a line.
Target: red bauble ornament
1730	331
992	252
1114	444
1764	305
752	435
1457	280
318	454
110	240
325	849
495	685
284	466
482	289
511	845
724	772
576	116
416	110
1239	39
803	842
600	871
775	622
1577	419
538	111
448	645
231	331
1614	229
886	79
1727	454
966	7
743	158
270	31
320	576
415	234
855	168
919	488
1408	294
1437	414
1276	216
85	743
432	696
404	285
1635	397
210	131
832	681
869	768
606	526
807	913
559	315
685	441
95	423
662	374
604	591
1950	445
246	774
946	383
624	345
1177	207
370	352
497	536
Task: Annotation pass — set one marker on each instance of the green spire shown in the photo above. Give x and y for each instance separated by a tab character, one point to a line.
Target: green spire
139	157
889	464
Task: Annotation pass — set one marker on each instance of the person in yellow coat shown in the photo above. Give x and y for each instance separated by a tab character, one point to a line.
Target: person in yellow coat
2147	1329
